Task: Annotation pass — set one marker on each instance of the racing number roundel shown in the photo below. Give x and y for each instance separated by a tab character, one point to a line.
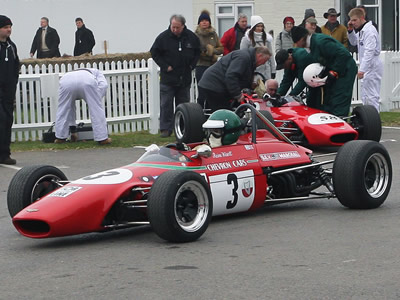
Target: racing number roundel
232	192
114	176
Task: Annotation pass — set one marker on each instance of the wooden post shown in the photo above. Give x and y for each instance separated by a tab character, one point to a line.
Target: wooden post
105	48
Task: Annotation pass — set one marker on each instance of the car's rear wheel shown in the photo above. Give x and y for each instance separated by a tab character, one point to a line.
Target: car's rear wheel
362	174
367	122
30	184
180	206
188	120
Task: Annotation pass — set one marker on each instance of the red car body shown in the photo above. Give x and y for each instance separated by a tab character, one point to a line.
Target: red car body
307	125
82	205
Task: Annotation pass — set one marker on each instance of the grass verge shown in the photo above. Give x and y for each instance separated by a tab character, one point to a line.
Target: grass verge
143	138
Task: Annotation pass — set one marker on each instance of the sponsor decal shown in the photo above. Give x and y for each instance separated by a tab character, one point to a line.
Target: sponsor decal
324	118
239	163
32	210
247	189
222	154
219	166
279	155
248	147
65	191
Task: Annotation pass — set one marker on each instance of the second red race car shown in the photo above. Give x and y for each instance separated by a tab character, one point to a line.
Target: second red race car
301	124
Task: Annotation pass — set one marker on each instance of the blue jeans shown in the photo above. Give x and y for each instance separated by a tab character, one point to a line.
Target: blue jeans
167	95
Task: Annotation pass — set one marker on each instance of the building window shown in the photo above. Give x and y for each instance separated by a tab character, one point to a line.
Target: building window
227	13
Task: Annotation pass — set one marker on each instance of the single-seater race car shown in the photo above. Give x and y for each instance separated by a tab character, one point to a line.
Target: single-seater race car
178	188
301	124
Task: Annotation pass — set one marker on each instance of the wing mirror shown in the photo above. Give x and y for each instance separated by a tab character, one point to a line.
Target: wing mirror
202	151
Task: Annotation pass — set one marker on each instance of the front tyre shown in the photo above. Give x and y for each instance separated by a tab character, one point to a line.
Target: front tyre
30	184
362	174
367	122
180	206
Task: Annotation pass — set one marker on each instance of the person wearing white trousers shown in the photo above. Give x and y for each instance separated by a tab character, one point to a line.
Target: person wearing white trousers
90	85
371	67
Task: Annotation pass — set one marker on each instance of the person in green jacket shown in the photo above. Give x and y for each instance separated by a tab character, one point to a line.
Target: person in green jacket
294	61
340	69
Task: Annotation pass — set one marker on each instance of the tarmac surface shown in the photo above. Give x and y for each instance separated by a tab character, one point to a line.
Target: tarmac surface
313	249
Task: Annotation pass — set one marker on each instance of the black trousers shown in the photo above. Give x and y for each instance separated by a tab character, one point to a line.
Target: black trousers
215	100
7	96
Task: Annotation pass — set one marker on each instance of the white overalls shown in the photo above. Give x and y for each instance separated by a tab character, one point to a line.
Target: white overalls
369	49
87	84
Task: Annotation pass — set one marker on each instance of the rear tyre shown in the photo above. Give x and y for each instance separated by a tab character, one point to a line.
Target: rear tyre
180	206
362	174
188	120
30	184
367	122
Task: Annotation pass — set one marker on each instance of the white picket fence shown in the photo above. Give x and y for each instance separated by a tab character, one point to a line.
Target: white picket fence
127	102
132	99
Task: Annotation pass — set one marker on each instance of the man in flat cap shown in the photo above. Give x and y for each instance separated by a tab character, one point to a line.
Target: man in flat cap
9	73
293	61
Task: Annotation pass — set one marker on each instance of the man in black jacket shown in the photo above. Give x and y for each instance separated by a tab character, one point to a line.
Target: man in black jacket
46	41
9	73
176	51
224	80
84	39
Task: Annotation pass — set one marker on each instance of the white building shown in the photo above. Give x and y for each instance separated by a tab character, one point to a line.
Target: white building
132	25
128	26
224	14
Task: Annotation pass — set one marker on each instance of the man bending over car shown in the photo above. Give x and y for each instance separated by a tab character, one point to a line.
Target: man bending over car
224	81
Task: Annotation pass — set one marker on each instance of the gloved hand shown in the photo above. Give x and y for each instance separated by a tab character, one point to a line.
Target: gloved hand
210	50
331	79
273	75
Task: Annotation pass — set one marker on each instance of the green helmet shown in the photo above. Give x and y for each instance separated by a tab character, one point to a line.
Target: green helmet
224	124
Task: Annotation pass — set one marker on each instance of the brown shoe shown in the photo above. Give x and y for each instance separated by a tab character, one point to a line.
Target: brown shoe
74	137
8	161
59	141
105	142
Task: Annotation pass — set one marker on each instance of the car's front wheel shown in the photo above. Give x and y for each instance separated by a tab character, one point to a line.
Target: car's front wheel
180	206
30	184
367	122
362	174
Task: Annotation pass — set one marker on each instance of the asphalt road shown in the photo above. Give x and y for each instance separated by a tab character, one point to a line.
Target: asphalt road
300	250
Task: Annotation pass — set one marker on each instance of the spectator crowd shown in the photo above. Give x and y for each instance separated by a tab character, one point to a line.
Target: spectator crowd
242	58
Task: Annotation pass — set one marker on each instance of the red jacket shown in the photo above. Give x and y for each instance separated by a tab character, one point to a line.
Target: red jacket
229	39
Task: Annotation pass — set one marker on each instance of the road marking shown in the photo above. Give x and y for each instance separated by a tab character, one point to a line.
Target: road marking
11	167
387	140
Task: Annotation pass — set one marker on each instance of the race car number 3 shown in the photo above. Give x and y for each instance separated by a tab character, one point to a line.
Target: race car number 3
114	176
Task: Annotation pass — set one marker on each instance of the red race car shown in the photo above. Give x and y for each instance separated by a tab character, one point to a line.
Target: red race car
301	124
178	188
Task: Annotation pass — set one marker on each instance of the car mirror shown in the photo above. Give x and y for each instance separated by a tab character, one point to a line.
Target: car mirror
203	151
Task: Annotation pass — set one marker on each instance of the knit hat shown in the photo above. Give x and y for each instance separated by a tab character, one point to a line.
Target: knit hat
331	12
256	20
204	15
4	21
280	58
309	12
298	32
288	19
